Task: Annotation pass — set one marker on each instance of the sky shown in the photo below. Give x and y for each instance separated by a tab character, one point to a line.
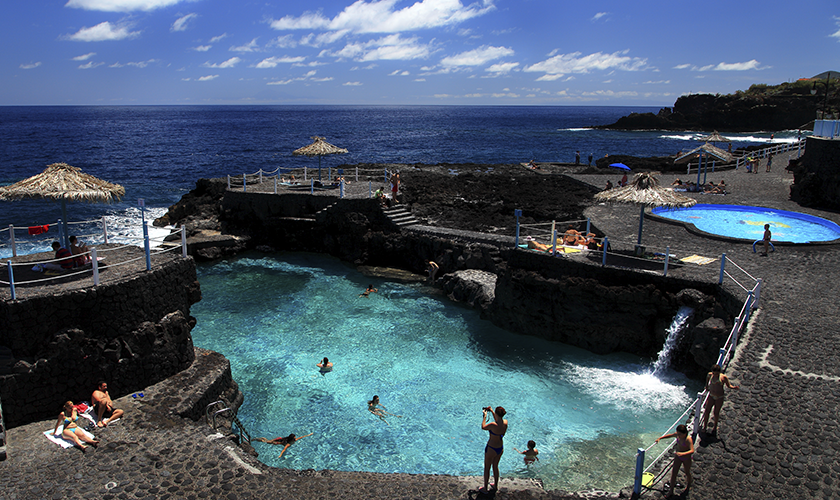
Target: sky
395	52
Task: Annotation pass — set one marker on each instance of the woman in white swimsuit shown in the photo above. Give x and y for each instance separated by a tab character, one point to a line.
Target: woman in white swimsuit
715	381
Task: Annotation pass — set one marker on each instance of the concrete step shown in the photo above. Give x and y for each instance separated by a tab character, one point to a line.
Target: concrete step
400	216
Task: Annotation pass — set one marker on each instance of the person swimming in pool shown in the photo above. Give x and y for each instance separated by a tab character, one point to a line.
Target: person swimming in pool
530	454
325	366
368	291
374	407
495	446
285	441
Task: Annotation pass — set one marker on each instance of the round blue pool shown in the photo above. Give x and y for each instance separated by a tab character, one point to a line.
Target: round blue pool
747	223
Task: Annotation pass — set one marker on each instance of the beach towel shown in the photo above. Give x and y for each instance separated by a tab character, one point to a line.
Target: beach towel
699	260
59	440
39	229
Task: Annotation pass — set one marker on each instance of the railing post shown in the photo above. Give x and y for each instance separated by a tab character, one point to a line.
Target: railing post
275	185
357	173
553	238
244	184
146	246
228	181
721	357
722	266
2	434
311	186
61	231
304	173
698	413
640	469
94	263
341	188
757	289
517	213
370	189
260	176
588	223
184	242
12	239
386	176
104	231
11	280
604	251
667	256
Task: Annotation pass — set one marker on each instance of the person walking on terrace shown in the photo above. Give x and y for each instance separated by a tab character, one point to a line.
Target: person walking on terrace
715	381
683	453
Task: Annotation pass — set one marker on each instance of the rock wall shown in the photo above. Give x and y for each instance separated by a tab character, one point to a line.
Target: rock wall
816	177
131	333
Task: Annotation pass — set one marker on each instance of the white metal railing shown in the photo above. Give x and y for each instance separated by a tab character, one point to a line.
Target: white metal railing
279	176
18	234
827	128
93	256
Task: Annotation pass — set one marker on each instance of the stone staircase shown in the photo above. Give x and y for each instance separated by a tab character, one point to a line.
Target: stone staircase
400	216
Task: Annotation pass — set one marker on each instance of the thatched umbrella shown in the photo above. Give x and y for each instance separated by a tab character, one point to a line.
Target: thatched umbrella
708	150
319	148
62	182
645	190
715	137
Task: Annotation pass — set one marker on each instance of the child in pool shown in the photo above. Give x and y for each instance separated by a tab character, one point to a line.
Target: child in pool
530	454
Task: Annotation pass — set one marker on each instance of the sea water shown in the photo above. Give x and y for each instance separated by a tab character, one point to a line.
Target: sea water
431	361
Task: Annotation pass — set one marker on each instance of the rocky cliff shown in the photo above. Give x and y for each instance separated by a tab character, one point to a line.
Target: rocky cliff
816	178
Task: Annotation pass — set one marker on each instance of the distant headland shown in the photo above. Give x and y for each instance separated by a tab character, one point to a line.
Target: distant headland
787	106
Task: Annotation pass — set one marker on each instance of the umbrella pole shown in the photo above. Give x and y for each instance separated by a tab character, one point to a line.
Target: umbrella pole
319	168
66	235
641	221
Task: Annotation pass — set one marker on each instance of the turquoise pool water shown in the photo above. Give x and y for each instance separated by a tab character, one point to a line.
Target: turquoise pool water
746	222
431	361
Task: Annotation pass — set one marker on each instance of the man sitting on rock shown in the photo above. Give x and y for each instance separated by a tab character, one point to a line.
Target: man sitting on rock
105	411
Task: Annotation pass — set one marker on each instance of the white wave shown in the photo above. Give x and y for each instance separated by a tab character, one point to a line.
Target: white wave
576	129
629	389
684	137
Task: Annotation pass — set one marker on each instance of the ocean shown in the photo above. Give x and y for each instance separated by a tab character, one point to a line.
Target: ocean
158	152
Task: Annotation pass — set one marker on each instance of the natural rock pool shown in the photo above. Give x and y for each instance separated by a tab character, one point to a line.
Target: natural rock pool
431	361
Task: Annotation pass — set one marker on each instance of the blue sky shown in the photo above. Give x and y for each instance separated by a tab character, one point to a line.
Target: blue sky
488	52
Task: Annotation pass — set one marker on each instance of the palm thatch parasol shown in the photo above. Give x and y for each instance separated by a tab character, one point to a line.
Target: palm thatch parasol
61	181
645	190
319	148
714	137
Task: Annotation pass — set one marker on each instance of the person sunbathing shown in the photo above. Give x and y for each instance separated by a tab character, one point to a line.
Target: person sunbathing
78	249
71	431
536	245
570	237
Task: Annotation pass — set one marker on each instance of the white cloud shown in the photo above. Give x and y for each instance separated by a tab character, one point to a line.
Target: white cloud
560	64
207	78
202	48
180	24
502	68
84	57
476	57
325	79
218	38
280	82
390	47
599	16
272	62
323	39
352	84
656	82
380	16
249	47
283	42
141	64
226	64
90	64
741	66
103	32
836	34
31	65
121	5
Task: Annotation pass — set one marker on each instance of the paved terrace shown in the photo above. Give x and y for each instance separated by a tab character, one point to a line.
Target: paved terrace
779	435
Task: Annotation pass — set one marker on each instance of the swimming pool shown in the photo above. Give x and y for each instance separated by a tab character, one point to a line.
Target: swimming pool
431	361
747	222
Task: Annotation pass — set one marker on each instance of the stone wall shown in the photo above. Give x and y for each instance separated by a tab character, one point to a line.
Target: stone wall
130	332
816	177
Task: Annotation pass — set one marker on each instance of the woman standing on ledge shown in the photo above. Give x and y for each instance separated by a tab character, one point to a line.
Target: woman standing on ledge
495	446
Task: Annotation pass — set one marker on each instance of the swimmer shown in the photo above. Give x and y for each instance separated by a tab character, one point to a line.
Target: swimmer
325	366
372	407
285	441
530	454
368	291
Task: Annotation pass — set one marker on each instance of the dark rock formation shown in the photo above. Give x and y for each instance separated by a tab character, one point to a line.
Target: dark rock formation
816	178
725	113
130	333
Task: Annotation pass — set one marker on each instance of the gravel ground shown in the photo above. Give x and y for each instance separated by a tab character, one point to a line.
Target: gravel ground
779	435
